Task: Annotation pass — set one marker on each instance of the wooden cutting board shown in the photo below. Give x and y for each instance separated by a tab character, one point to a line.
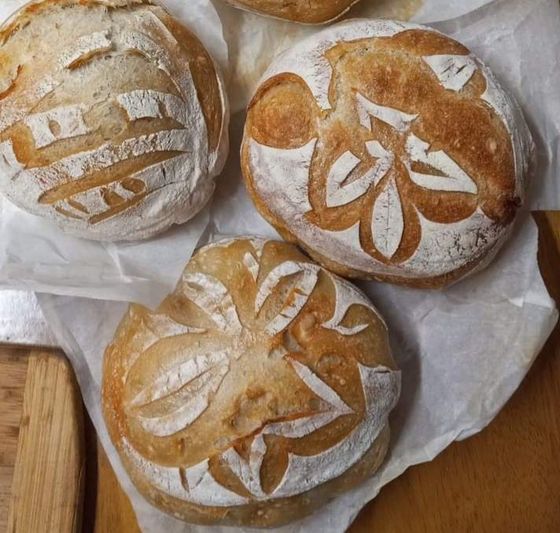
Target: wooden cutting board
55	478
42	461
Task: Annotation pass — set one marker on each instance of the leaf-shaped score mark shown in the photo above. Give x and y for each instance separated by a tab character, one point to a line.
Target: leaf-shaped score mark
212	297
455	179
347	296
399	120
308	275
163	326
332	407
387	220
193	382
453	71
341	193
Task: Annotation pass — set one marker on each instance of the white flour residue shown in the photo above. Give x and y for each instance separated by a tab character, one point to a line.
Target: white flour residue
212	297
393	117
453	71
308	60
10	167
445	246
510	112
297	298
277	165
57	124
387	220
208	379
454	179
346	296
381	388
84	48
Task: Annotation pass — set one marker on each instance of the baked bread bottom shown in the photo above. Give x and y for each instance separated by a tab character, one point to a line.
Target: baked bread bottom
304	12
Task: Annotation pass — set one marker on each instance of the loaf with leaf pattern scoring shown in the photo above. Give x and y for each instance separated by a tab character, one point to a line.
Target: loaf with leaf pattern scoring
257	391
387	151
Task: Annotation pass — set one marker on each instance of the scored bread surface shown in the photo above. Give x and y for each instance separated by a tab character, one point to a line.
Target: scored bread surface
113	117
304	11
258	390
388	151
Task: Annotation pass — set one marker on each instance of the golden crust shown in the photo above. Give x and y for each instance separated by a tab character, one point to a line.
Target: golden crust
258	389
306	12
391	71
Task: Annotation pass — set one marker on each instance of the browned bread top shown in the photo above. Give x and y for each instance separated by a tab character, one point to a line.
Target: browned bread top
387	150
257	390
304	11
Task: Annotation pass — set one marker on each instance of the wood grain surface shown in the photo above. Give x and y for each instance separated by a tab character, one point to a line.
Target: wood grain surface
506	479
43	460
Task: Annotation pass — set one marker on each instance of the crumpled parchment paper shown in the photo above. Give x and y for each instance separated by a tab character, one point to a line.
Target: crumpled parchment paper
462	351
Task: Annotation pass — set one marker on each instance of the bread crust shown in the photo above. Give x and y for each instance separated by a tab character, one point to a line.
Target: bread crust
287	367
93	131
388	152
304	12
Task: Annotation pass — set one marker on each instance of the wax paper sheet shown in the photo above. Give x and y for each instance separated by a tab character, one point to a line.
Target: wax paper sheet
36	255
462	351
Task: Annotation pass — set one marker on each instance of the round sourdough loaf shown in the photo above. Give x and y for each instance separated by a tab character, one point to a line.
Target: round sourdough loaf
257	391
113	117
387	151
304	11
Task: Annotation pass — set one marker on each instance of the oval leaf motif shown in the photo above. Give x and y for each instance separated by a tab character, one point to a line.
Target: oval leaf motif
177	377
453	71
212	297
455	179
297	297
208	372
387	221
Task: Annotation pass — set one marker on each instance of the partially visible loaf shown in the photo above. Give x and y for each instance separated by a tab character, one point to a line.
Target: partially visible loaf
303	11
113	117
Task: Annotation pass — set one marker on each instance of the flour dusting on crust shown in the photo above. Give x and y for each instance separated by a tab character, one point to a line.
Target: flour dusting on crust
86	167
377	189
172	395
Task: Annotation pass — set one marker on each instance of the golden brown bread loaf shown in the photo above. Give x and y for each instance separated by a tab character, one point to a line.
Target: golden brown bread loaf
387	151
304	11
256	392
113	117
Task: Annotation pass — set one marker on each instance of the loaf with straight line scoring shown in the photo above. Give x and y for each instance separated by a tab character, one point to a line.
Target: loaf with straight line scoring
113	117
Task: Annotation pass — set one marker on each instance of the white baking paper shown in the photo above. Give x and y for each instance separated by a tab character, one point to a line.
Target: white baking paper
36	255
462	351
